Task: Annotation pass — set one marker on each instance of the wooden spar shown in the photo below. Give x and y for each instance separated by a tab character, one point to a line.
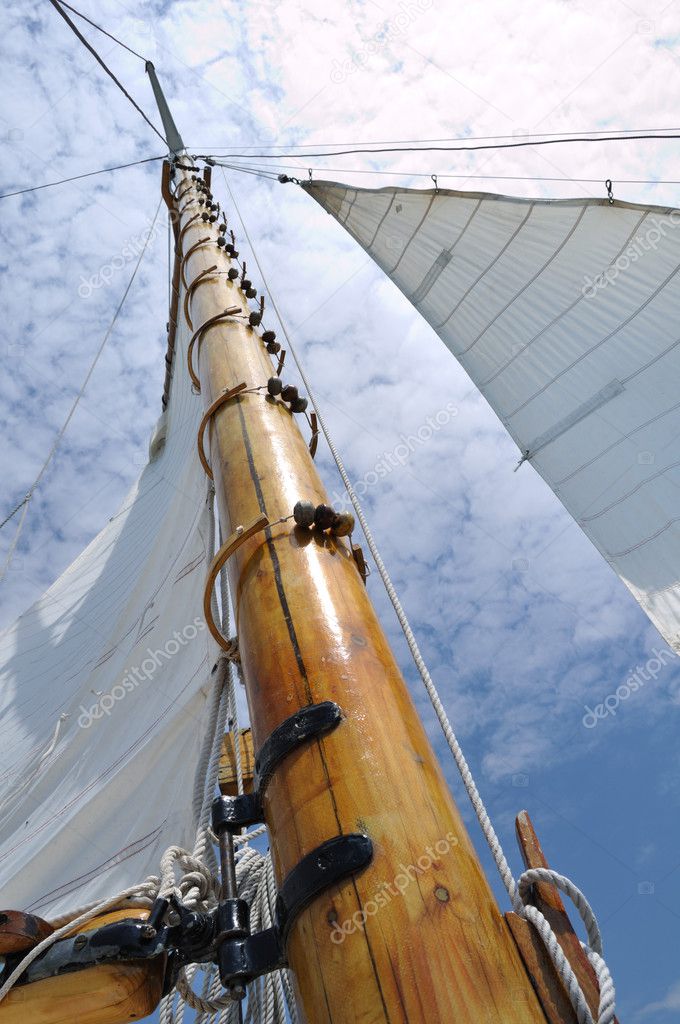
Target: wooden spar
106	994
417	936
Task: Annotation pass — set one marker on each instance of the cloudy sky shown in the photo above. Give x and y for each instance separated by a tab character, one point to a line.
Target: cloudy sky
522	622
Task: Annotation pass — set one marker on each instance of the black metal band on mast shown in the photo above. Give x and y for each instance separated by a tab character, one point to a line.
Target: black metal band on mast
174	139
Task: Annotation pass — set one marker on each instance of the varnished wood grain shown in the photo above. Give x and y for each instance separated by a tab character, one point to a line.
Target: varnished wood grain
227	777
549	901
549	989
20	932
99	995
433	946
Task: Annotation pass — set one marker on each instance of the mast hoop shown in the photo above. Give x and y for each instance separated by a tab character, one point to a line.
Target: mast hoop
188	253
232	813
314	439
185	192
232	543
185	227
221	400
187	205
197	337
202	278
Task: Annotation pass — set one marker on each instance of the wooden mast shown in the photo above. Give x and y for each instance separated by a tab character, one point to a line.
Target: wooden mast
417	935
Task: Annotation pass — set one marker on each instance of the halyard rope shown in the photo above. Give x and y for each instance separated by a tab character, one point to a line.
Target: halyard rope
253	869
517	890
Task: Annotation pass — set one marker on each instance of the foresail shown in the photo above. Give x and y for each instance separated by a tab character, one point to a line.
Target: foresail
565	315
105	680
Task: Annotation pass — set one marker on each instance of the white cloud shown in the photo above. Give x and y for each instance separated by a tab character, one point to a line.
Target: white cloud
516	648
671	1001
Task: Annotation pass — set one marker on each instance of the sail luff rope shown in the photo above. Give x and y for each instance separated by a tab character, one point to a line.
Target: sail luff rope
76	401
517	890
74	28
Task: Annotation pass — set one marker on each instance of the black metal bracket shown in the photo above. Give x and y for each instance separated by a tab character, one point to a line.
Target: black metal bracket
237	812
121	941
332	862
223	935
241	957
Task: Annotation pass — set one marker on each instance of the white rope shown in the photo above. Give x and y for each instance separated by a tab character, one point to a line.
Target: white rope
199	885
58	439
112	903
607	994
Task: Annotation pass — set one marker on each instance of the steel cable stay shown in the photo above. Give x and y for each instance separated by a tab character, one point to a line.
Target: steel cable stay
78	177
102	30
266	172
627	132
57	6
354	151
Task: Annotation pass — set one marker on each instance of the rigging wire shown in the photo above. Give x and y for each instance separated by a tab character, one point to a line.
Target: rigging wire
456	138
443	149
517	890
14	512
103	30
77	177
269	173
260	173
74	405
57	6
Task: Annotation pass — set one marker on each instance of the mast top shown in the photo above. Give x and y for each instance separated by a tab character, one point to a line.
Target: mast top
172	135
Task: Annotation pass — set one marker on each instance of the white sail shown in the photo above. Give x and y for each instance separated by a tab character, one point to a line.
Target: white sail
565	314
103	700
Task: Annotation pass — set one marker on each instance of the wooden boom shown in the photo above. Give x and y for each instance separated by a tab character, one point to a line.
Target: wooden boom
417	936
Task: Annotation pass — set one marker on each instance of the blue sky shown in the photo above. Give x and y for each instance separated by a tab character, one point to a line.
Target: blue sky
522	622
